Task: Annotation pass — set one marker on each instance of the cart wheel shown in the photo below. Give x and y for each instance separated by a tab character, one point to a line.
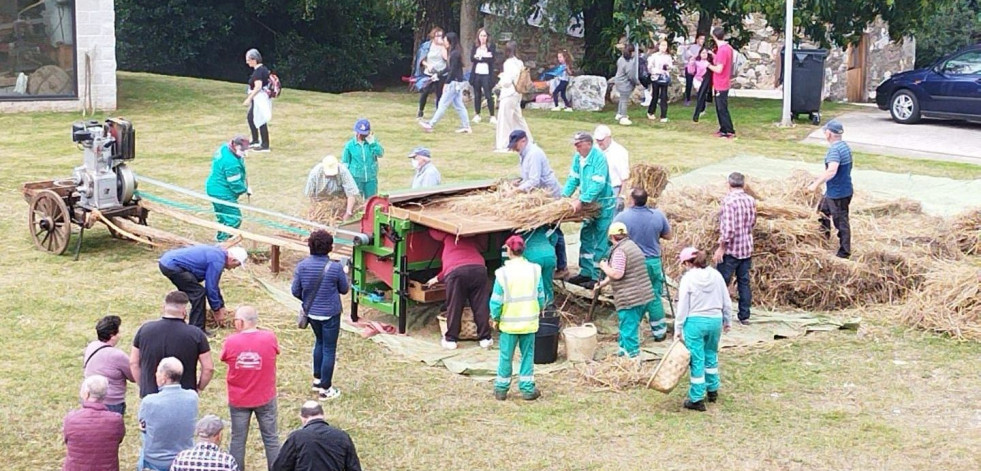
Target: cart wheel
815	118
49	222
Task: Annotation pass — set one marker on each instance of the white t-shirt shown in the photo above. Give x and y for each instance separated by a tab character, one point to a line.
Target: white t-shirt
618	159
509	76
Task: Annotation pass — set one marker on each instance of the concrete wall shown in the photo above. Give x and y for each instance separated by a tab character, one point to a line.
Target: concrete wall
95	39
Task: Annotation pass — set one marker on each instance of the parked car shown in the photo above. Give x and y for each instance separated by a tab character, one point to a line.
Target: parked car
948	89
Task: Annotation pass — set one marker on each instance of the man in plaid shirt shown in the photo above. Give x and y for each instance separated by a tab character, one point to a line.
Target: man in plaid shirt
734	255
206	454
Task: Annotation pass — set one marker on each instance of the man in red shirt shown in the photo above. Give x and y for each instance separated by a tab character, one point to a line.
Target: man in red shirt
721	80
465	273
251	358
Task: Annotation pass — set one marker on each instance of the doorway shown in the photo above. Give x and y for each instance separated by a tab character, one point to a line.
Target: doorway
857	57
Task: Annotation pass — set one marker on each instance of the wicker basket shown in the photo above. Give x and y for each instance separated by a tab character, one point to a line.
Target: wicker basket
672	367
468	328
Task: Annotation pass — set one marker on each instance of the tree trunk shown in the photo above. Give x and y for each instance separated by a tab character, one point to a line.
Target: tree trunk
469	17
598	58
704	23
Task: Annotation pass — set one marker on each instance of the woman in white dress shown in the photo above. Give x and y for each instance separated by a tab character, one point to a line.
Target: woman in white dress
509	117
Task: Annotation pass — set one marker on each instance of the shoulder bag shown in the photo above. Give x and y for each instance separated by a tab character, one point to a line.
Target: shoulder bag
301	318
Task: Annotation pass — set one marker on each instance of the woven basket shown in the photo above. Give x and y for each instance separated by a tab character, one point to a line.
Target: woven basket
468	328
671	369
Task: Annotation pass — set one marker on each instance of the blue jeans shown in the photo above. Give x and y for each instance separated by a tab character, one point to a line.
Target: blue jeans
452	94
265	415
561	258
325	348
739	266
143	465
117	408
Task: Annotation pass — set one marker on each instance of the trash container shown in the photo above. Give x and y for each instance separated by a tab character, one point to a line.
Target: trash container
807	66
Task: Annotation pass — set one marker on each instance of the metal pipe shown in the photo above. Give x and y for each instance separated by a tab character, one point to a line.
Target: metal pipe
788	50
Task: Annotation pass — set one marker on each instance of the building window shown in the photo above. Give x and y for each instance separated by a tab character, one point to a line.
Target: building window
37	49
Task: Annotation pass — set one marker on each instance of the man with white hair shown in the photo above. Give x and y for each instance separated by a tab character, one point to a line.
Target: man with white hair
617	158
93	433
187	267
206	455
317	445
427	175
170	336
331	179
251	358
167	418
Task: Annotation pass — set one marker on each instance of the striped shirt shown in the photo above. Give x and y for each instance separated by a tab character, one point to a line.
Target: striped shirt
204	457
736	221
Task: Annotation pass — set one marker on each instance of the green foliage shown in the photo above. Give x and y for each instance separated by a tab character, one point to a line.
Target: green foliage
328	45
953	26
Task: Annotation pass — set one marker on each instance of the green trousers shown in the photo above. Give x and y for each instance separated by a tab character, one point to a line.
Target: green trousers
594	243
702	336
546	260
655	311
629	338
368	188
526	373
227	215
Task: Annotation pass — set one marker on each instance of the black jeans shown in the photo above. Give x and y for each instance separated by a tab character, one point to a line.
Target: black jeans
722	112
659	92
689	81
424	95
700	97
468	284
188	284
560	88
264	129
836	209
561	258
483	88
739	266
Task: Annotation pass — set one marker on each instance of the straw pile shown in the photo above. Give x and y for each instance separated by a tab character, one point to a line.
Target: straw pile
614	373
526	211
652	178
327	212
949	303
967	230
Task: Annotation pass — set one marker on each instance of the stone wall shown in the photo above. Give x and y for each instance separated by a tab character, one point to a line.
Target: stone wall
95	39
537	47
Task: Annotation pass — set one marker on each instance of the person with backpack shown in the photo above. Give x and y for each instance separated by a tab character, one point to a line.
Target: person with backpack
721	80
514	80
260	106
482	74
452	91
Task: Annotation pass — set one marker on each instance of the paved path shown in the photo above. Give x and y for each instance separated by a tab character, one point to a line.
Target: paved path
874	131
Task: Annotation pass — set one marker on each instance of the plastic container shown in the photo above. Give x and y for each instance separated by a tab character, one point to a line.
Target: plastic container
546	343
580	342
807	69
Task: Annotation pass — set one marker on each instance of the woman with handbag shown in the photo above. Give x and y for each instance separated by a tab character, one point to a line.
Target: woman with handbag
319	283
659	64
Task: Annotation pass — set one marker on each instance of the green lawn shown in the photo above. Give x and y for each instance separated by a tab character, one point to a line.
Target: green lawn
885	398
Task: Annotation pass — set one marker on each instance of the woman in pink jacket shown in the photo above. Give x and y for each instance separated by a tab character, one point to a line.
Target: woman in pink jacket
698	67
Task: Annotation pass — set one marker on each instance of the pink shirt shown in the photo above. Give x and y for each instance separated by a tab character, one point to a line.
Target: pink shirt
457	252
251	360
721	80
112	363
700	68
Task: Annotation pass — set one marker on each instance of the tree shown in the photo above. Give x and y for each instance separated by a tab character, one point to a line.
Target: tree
953	26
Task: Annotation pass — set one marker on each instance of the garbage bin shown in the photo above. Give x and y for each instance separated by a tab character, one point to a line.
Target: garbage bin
807	66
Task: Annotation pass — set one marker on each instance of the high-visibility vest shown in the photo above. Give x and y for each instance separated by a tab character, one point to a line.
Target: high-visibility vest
519	279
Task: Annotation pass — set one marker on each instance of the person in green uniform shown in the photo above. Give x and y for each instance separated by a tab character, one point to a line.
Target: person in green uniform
626	272
227	181
591	176
540	250
515	305
361	155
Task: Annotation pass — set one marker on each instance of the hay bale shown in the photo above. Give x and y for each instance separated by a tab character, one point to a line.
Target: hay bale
949	303
892	208
966	228
652	178
525	210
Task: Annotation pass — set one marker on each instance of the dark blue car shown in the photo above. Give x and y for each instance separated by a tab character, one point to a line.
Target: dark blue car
948	89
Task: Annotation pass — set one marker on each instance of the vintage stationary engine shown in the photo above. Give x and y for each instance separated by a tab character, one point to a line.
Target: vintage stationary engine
103	180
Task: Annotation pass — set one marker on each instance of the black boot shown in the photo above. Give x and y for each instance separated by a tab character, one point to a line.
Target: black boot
699	405
713	396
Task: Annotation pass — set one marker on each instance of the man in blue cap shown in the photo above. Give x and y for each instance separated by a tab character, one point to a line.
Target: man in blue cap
426	173
837	197
361	155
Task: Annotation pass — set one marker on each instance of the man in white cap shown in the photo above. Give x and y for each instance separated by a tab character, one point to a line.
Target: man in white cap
187	267
617	158
330	179
427	175
206	455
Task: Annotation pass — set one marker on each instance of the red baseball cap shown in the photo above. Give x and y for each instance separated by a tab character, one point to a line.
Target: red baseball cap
515	243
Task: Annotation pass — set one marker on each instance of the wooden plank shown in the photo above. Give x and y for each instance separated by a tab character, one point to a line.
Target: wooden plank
403	196
450	222
276	241
152	233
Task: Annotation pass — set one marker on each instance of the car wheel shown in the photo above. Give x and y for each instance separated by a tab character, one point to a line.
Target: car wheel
904	108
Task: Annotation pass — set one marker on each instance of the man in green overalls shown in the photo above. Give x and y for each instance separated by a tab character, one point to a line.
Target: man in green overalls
361	155
227	181
540	250
590	175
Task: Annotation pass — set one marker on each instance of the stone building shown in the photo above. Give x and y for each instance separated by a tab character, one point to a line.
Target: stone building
57	55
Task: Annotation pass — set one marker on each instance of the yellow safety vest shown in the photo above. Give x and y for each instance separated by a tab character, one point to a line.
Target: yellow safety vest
519	279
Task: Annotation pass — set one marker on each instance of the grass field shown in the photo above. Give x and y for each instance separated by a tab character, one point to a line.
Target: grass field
886	398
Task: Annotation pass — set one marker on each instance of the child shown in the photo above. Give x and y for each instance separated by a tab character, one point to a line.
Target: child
698	67
561	73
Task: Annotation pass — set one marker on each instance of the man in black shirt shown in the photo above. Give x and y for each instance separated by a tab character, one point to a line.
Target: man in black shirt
257	96
317	446
171	336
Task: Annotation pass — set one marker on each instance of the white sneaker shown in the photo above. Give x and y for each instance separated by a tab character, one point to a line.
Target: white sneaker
625	121
493	120
425	125
557	108
486	343
647	98
329	394
316	386
618	117
476	118
664	120
447	344
464	131
650	117
568	108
